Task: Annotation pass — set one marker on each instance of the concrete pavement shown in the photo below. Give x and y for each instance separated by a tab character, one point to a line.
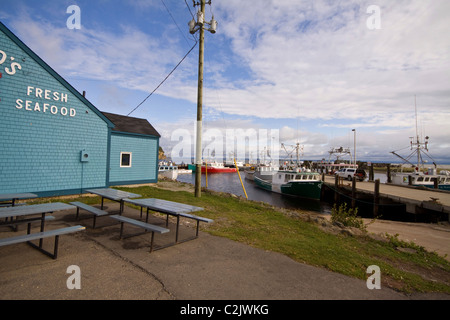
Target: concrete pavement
207	268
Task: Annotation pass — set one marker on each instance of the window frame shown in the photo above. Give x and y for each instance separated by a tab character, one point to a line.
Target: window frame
121	159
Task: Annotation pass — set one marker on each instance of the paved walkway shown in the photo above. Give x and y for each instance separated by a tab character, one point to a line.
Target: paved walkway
208	268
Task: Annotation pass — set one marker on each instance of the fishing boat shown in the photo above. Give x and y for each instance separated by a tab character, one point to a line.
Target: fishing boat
213	167
263	171
230	163
168	172
421	176
298	182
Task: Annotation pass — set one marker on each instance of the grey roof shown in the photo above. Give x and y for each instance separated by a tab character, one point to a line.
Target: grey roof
131	125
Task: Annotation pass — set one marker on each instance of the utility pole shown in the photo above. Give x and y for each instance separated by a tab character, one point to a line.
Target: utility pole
194	27
198	152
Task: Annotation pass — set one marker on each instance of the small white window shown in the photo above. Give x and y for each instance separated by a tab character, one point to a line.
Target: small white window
125	159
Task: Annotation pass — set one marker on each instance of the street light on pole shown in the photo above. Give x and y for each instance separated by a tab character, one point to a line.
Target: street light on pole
194	26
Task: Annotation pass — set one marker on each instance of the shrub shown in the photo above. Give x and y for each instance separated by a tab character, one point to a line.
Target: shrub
348	217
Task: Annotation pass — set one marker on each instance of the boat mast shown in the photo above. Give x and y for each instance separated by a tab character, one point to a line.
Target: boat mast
419	146
417	134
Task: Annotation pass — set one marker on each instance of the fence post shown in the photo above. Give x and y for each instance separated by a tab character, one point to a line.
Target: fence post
336	188
376	198
354	192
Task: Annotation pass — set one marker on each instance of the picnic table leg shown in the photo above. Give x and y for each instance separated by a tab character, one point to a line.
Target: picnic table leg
42	229
151	243
146	218
178	223
198	223
102	204
121	230
55	252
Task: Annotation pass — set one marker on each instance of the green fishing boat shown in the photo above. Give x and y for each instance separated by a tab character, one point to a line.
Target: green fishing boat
293	182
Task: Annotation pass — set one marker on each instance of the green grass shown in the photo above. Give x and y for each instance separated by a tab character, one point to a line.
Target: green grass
263	226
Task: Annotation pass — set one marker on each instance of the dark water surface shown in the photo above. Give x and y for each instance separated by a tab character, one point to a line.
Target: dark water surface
230	183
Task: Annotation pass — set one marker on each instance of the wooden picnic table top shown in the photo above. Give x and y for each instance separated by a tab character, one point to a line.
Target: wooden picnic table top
164	205
113	194
34	209
12	196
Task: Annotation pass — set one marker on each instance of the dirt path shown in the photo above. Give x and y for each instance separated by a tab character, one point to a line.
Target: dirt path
433	237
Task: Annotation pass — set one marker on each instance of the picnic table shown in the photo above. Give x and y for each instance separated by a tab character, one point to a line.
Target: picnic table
11	198
32	210
170	208
113	194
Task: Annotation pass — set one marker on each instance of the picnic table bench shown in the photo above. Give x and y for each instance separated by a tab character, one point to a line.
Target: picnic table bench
41	235
113	194
171	208
32	210
95	211
144	225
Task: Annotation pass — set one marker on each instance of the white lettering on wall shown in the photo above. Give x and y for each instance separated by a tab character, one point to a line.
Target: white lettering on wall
28	105
11	67
46	107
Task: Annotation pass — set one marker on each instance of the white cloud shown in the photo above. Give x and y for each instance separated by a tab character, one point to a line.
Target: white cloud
131	59
335	66
314	60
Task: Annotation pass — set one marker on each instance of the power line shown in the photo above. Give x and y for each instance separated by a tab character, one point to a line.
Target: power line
173	19
189	9
164	79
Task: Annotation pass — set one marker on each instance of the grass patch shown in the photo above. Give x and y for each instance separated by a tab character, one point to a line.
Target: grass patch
263	226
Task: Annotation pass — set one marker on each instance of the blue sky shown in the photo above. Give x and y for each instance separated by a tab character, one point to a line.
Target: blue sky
313	70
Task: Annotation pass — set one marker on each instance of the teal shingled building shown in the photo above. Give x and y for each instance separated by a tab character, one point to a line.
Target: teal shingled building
53	141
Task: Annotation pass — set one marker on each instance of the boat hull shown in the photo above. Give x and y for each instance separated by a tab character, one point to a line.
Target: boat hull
172	174
421	181
213	169
307	189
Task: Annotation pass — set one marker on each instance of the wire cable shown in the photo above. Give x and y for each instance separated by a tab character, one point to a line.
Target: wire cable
164	79
173	19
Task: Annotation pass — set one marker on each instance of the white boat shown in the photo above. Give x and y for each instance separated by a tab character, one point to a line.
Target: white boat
420	178
230	163
184	171
168	172
262	171
213	167
421	175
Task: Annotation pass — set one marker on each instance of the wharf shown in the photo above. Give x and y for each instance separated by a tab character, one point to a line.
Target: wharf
416	200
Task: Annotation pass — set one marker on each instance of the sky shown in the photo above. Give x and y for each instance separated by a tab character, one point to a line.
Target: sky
278	72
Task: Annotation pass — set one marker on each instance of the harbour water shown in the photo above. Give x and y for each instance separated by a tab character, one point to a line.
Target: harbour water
230	183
